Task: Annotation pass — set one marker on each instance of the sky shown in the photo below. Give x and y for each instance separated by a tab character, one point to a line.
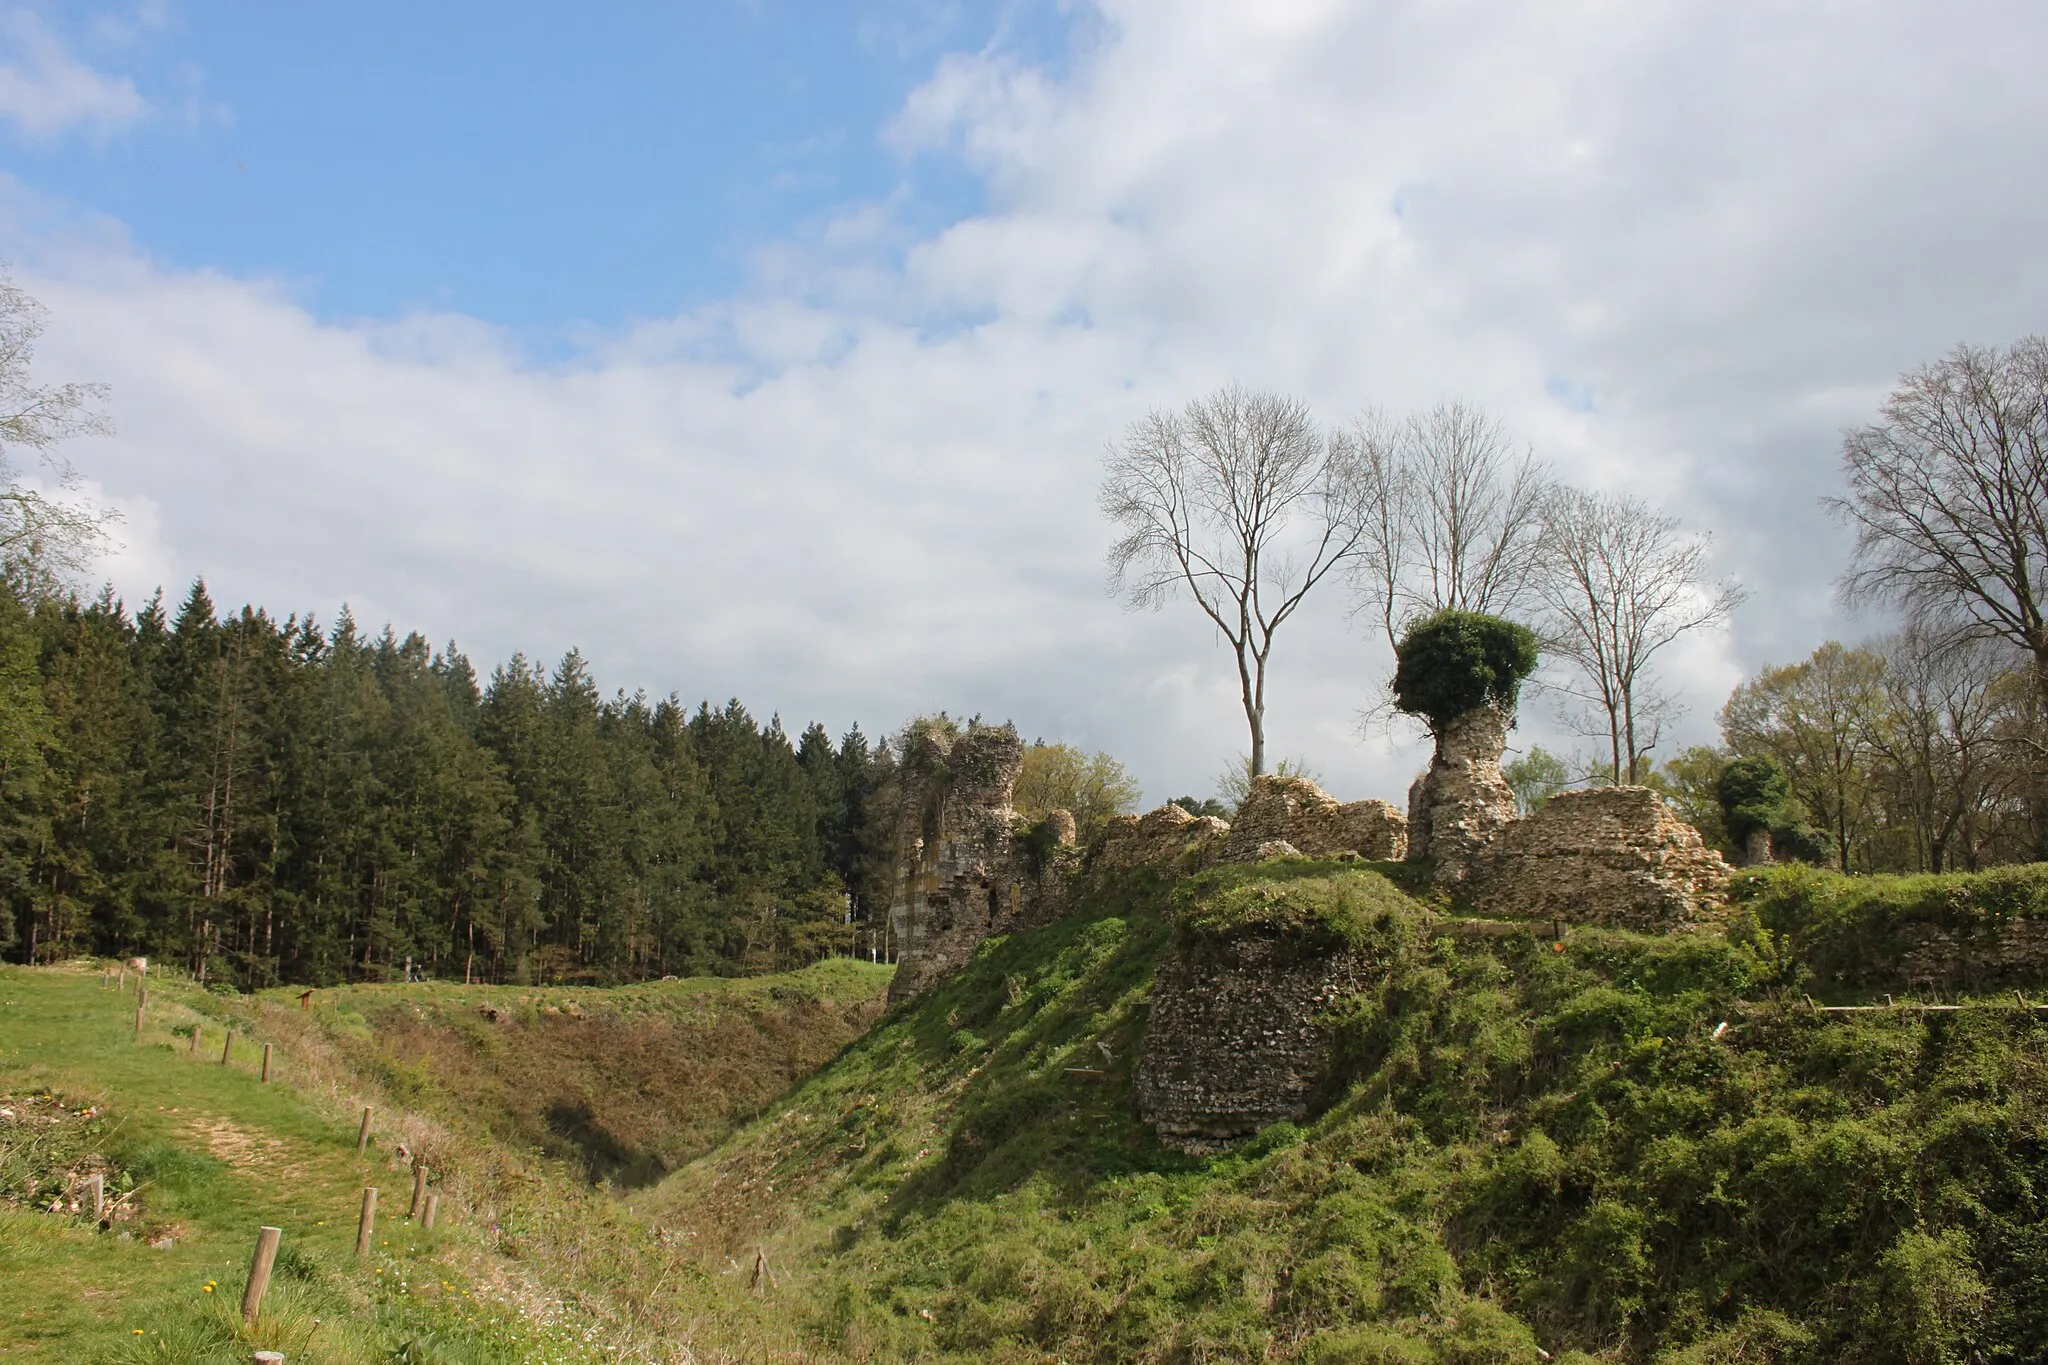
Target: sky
771	350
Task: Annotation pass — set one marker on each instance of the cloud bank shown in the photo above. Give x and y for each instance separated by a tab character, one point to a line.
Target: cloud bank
46	90
1674	247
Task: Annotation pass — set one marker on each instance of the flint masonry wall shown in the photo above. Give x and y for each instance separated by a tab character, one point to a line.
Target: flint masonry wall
1459	805
1607	855
1295	811
965	866
1235	1040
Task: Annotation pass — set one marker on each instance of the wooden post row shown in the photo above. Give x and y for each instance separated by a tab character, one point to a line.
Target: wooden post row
367	1223
259	1272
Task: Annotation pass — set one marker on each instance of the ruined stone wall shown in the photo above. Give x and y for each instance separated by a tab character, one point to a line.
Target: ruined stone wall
1237	1039
2008	952
966	866
1608	855
1462	802
1167	838
1295	811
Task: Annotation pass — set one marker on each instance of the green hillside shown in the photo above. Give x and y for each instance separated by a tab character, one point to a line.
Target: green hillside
530	1261
1537	1148
1531	1147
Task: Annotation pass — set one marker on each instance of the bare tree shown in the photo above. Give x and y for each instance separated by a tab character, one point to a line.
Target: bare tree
1937	741
1622	584
1948	493
43	540
1452	515
1243	503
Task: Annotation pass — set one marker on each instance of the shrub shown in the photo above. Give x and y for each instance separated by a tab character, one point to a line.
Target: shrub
1456	661
1756	795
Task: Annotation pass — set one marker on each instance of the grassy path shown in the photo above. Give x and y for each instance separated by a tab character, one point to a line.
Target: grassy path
216	1154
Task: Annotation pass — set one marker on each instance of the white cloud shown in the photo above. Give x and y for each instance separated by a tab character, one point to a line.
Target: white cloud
1675	247
46	90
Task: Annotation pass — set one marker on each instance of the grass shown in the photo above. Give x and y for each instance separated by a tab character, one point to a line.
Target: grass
214	1154
1532	1146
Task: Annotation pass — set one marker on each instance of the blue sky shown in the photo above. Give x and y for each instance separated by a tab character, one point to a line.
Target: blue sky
771	350
531	165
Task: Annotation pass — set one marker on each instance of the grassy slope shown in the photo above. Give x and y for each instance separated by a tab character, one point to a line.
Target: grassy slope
218	1154
1533	1147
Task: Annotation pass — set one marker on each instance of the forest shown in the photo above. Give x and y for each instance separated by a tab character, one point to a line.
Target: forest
265	800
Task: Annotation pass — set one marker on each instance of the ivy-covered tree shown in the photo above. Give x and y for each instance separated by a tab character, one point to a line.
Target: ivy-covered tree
1454	662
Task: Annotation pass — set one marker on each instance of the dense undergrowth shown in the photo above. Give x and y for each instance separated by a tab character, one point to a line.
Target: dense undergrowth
1536	1147
1854	932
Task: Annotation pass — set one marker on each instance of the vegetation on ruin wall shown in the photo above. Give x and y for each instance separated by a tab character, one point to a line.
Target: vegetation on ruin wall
1855	931
1301	904
1532	1148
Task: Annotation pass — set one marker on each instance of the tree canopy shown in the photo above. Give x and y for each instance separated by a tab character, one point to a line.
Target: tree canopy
1457	661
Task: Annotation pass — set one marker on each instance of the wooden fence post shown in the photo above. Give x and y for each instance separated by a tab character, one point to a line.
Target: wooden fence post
193	1048
266	1063
227	1049
432	1211
363	1133
259	1272
138	1016
96	1184
419	1190
368	1222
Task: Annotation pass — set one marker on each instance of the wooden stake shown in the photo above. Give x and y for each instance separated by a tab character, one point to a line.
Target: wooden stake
122	983
138	1016
193	1047
305	1001
363	1133
259	1272
433	1209
419	1190
266	1063
96	1184
368	1222
227	1049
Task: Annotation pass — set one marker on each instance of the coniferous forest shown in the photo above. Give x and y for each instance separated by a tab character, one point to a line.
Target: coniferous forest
263	801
